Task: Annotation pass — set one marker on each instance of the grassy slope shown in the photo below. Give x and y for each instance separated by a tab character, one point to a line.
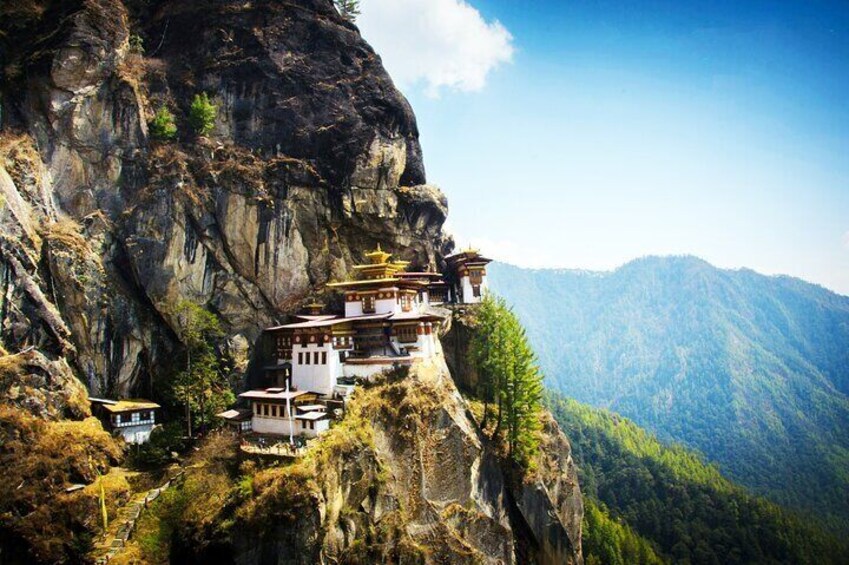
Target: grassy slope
751	370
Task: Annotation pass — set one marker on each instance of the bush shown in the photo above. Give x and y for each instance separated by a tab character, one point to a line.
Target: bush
136	44
40	459
162	127
157	451
202	114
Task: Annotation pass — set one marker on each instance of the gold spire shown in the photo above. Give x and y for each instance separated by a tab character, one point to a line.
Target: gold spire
378	256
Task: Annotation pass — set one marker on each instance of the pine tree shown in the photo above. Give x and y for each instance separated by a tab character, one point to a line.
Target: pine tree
349	9
508	375
202	114
162	127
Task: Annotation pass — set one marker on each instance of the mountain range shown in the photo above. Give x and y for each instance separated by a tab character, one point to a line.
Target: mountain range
751	370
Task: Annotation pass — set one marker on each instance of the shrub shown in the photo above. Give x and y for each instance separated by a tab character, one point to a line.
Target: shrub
202	114
136	44
157	452
40	459
162	127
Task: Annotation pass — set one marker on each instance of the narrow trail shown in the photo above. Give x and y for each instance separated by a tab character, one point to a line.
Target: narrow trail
121	529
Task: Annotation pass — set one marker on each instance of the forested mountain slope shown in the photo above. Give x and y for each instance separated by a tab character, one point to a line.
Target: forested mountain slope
751	370
638	489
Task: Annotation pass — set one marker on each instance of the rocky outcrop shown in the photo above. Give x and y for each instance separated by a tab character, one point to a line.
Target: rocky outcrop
548	507
406	477
314	158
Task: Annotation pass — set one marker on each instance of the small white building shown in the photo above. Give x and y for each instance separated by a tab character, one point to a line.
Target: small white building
238	420
469	276
134	420
276	411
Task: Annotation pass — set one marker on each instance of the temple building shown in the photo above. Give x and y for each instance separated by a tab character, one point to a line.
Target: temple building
387	322
469	275
134	420
278	411
390	319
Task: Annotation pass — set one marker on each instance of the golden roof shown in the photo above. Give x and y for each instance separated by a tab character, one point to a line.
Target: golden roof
379	267
378	256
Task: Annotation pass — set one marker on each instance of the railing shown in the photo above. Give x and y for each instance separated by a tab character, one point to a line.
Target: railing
135	423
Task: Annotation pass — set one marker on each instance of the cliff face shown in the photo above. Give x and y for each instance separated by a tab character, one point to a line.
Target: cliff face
547	508
314	158
406	477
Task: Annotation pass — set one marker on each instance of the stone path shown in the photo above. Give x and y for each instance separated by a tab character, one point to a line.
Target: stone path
121	529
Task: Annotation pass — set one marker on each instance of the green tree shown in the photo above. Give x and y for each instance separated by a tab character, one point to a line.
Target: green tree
202	114
508	376
349	9
200	386
522	390
488	353
162	127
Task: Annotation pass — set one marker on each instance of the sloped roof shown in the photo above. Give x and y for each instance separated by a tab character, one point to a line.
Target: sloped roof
130	406
235	415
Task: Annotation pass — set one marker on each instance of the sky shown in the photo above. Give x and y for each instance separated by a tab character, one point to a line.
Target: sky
584	134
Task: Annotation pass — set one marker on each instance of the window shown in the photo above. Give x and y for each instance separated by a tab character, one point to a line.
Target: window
274	411
300	357
307	358
406	334
265	409
368	304
324	358
406	302
315	358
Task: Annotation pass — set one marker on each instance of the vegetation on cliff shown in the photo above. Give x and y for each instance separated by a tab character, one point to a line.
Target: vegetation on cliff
201	386
383	485
668	495
39	520
508	378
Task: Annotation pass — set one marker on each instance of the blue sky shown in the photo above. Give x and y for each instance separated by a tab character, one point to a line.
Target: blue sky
585	134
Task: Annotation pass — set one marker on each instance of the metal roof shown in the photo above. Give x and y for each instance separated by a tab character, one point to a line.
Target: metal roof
269	394
311	416
331	322
235	415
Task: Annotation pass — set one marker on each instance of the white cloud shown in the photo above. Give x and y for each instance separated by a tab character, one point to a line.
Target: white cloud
440	43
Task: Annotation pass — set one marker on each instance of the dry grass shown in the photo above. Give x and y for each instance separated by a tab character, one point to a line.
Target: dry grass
39	460
132	70
67	233
20	158
191	511
11	365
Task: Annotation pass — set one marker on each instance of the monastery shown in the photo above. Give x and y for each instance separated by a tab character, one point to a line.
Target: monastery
391	319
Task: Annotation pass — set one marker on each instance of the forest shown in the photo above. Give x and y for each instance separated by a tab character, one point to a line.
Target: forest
648	502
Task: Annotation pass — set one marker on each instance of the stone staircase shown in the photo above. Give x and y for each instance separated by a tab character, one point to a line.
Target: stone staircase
122	527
